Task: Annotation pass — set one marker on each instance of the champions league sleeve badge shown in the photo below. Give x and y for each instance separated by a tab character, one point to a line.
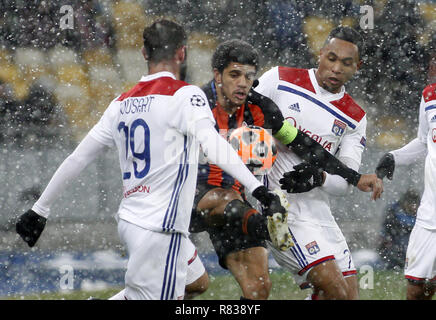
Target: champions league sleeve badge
338	128
197	101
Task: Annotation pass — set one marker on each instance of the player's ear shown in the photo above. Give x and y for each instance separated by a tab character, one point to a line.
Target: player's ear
359	64
144	53
217	76
321	51
181	54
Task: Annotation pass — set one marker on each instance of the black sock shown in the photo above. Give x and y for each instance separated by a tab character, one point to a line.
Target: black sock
247	219
257	227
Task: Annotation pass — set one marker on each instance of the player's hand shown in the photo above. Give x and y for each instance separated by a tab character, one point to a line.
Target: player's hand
270	201
386	166
304	178
30	226
370	182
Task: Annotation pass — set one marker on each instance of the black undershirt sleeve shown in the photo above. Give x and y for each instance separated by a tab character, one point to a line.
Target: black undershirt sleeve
301	144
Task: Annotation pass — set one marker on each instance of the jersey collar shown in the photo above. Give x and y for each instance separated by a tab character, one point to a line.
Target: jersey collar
321	91
157	75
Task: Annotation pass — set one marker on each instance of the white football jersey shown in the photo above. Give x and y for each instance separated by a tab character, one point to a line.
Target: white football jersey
333	120
426	215
152	127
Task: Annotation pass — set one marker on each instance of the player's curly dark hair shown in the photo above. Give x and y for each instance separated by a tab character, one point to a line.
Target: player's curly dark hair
349	34
162	39
234	51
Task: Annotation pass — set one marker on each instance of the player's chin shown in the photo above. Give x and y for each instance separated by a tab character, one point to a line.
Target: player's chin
238	101
333	88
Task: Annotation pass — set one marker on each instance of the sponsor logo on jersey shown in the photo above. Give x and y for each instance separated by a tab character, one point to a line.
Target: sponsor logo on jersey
312	247
363	141
338	128
433	119
295	107
197	101
434	135
142	189
321	140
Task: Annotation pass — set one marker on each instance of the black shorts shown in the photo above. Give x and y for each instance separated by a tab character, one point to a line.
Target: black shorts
225	240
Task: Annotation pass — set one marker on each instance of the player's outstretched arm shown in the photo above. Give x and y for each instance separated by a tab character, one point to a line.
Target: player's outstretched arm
312	152
307	176
31	224
305	147
408	154
386	166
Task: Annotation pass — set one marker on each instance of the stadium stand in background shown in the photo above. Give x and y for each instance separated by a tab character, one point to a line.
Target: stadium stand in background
100	57
88	66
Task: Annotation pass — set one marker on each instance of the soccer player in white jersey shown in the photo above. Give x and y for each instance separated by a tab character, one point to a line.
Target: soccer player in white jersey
315	102
420	267
157	128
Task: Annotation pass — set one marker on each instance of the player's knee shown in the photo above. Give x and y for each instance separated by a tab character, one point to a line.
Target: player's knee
219	201
228	195
198	287
235	208
203	284
229	199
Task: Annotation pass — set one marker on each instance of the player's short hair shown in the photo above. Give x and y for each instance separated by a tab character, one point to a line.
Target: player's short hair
234	51
162	39
349	34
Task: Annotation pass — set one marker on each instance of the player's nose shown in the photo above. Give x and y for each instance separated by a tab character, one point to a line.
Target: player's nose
336	68
243	83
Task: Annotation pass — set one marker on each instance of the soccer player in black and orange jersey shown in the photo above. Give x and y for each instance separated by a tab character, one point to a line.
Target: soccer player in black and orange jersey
234	65
241	248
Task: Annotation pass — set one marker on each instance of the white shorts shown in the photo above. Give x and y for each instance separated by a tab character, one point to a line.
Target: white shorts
314	244
157	268
421	255
195	266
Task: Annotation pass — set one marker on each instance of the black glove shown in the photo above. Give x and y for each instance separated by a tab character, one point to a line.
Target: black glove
386	166
304	178
30	226
269	200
